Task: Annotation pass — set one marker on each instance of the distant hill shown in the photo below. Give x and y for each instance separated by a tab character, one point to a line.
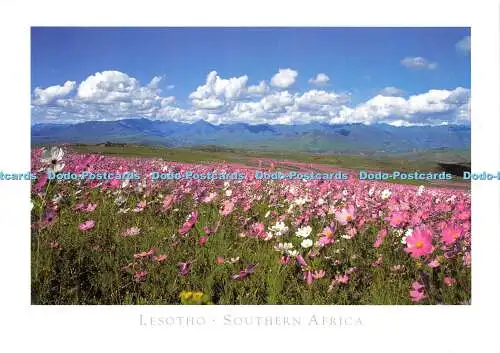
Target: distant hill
314	137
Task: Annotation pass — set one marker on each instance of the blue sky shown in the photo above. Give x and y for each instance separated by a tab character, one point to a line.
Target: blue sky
392	75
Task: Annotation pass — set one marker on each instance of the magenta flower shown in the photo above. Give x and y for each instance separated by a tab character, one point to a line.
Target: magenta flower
185	267
130	232
345	215
86	225
244	273
417	292
419	243
190	222
203	240
380	238
451	233
140	275
227	208
449	281
159	259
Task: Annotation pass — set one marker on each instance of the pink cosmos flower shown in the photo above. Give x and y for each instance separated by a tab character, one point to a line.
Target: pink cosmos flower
168	201
55	245
451	233
345	215
449	281
143	254
319	274
159	259
90	207
285	260
258	230
398	218
86	225
344	279
380	238
186	227
244	273
184	267
419	243
140	206
301	261
326	236
308	277
417	292
140	275
203	240
130	232
227	208
467	259
433	264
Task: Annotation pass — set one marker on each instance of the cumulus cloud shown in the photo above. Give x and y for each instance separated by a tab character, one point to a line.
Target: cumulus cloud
391	91
320	79
434	107
418	62
284	78
464	45
105	95
111	95
259	89
49	94
216	90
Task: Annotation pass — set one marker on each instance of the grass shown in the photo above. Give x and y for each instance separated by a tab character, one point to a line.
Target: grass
88	266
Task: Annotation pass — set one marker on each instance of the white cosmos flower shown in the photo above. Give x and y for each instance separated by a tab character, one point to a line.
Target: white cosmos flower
267	214
229	192
53	158
420	190
385	194
408	233
292	253
120	200
345	236
371	191
125	183
301	201
304	232
279	228
284	247
306	243
57	198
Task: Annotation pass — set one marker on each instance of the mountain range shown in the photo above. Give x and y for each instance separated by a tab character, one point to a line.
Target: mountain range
313	137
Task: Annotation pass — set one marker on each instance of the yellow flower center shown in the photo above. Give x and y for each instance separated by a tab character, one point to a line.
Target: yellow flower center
349	217
419	244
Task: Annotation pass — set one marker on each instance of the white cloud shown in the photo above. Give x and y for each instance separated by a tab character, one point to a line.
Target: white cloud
49	94
111	95
319	80
464	44
392	91
418	62
284	78
114	86
259	89
207	103
217	87
434	107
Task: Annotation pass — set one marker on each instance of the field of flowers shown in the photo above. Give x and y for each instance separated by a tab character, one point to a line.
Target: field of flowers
241	241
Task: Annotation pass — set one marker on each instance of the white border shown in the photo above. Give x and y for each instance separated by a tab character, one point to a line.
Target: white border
385	329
